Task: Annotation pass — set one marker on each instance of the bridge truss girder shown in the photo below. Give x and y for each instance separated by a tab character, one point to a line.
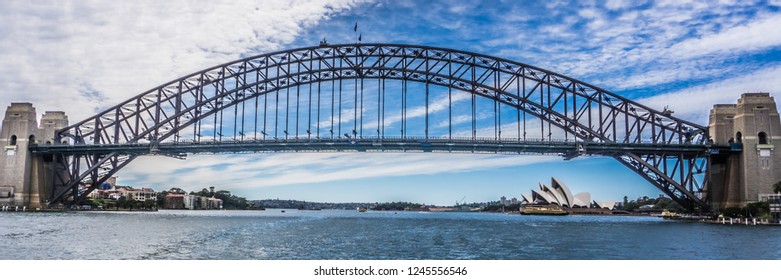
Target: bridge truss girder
673	173
584	112
76	175
662	166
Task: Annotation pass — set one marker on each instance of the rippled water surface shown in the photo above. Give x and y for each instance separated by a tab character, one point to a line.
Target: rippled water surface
332	234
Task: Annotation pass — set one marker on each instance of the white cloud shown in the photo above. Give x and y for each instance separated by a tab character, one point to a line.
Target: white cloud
52	52
694	103
264	170
619	4
682	72
420	111
458	119
756	35
646	44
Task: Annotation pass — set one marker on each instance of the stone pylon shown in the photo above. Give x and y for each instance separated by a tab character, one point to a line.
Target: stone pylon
752	127
25	179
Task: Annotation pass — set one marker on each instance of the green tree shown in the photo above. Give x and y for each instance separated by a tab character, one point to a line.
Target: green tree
757	209
230	201
161	198
732	212
204	192
397	206
108	204
777	187
149	204
630	206
121	202
94	203
222	194
675	207
501	207
127	203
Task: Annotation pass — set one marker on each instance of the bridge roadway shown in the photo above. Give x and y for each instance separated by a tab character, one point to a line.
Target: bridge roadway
568	149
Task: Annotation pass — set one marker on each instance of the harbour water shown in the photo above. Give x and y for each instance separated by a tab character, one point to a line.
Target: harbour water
340	234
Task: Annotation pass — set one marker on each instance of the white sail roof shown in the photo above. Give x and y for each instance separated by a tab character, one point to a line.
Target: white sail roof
558	194
560	200
564	190
539	195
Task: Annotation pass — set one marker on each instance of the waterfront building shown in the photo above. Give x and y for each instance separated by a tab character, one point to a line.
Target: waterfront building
609	204
115	195
649	209
214	203
646	207
188	201
174	201
202	202
774	201
559	194
142	194
194	202
177	200
95	195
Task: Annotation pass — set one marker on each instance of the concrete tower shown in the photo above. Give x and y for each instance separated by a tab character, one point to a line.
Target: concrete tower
24	178
744	177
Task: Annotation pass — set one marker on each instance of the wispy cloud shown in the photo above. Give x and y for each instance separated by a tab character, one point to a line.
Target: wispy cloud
694	103
621	45
759	34
265	170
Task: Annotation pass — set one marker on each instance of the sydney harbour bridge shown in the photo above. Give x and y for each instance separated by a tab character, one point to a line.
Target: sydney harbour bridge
379	98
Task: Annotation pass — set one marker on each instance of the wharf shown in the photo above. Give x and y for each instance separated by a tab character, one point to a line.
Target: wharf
726	221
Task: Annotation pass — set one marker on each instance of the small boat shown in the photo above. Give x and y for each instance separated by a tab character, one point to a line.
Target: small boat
362	209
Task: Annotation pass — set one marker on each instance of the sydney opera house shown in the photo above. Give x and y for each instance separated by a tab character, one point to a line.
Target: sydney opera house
560	195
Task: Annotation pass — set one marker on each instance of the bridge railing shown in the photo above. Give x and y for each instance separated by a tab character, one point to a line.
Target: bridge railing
417	139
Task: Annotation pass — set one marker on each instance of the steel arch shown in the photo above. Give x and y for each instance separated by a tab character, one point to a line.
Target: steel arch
590	115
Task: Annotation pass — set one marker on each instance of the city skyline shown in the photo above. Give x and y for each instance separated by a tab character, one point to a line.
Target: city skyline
461	187
659	54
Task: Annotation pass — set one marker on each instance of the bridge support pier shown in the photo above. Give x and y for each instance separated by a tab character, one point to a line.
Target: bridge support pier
26	180
747	172
724	185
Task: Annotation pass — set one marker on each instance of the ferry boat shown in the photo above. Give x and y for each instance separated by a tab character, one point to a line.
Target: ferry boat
542	210
667	214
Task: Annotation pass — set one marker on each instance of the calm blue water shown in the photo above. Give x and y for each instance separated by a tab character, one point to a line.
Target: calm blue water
331	234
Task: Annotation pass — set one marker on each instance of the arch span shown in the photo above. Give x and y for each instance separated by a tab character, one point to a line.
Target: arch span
188	114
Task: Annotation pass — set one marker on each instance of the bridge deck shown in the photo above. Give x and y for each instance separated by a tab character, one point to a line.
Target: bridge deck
566	148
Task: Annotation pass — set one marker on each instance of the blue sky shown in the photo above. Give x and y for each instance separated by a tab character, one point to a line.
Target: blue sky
81	57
